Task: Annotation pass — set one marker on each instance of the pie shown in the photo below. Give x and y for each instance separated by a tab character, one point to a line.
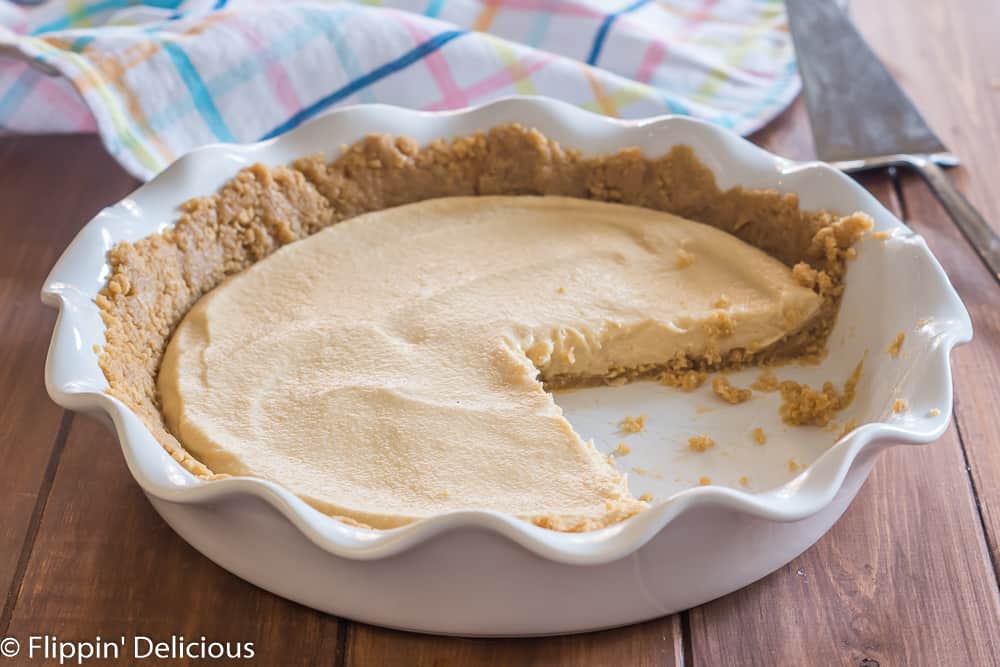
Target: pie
378	334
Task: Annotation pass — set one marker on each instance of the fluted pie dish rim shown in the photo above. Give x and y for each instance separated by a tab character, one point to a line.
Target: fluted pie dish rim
75	381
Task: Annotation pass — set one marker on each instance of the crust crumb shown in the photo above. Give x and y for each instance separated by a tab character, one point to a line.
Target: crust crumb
646	473
899	405
805	275
704	480
766	382
793	465
684	258
646	497
759	436
934	412
561	290
719	325
633	424
833	241
700	443
880	236
622	450
721	302
744	481
729	393
896	345
803	405
684	380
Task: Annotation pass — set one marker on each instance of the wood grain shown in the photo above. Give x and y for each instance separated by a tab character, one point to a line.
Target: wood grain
863	595
104	563
36	227
976	366
888	585
946	55
789	135
964	54
654	644
903	578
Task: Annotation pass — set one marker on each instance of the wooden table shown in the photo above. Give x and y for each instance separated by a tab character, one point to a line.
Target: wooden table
907	577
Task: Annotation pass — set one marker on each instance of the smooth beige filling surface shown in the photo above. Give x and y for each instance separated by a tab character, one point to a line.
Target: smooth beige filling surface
387	368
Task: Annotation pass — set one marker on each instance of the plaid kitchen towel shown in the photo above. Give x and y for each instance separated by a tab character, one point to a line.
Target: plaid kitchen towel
160	77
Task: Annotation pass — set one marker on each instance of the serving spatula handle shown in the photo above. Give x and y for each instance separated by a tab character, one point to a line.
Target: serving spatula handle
981	236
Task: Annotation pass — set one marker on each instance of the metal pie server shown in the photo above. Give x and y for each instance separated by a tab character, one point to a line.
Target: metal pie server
861	118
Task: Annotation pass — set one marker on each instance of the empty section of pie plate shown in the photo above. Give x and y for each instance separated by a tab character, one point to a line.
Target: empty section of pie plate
483	573
660	460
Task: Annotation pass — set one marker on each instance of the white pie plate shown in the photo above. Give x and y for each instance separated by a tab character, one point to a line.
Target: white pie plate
482	573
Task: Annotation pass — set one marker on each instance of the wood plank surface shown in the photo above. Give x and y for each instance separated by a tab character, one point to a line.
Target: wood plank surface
976	366
44	200
654	644
788	136
104	563
888	585
904	577
946	55
954	77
